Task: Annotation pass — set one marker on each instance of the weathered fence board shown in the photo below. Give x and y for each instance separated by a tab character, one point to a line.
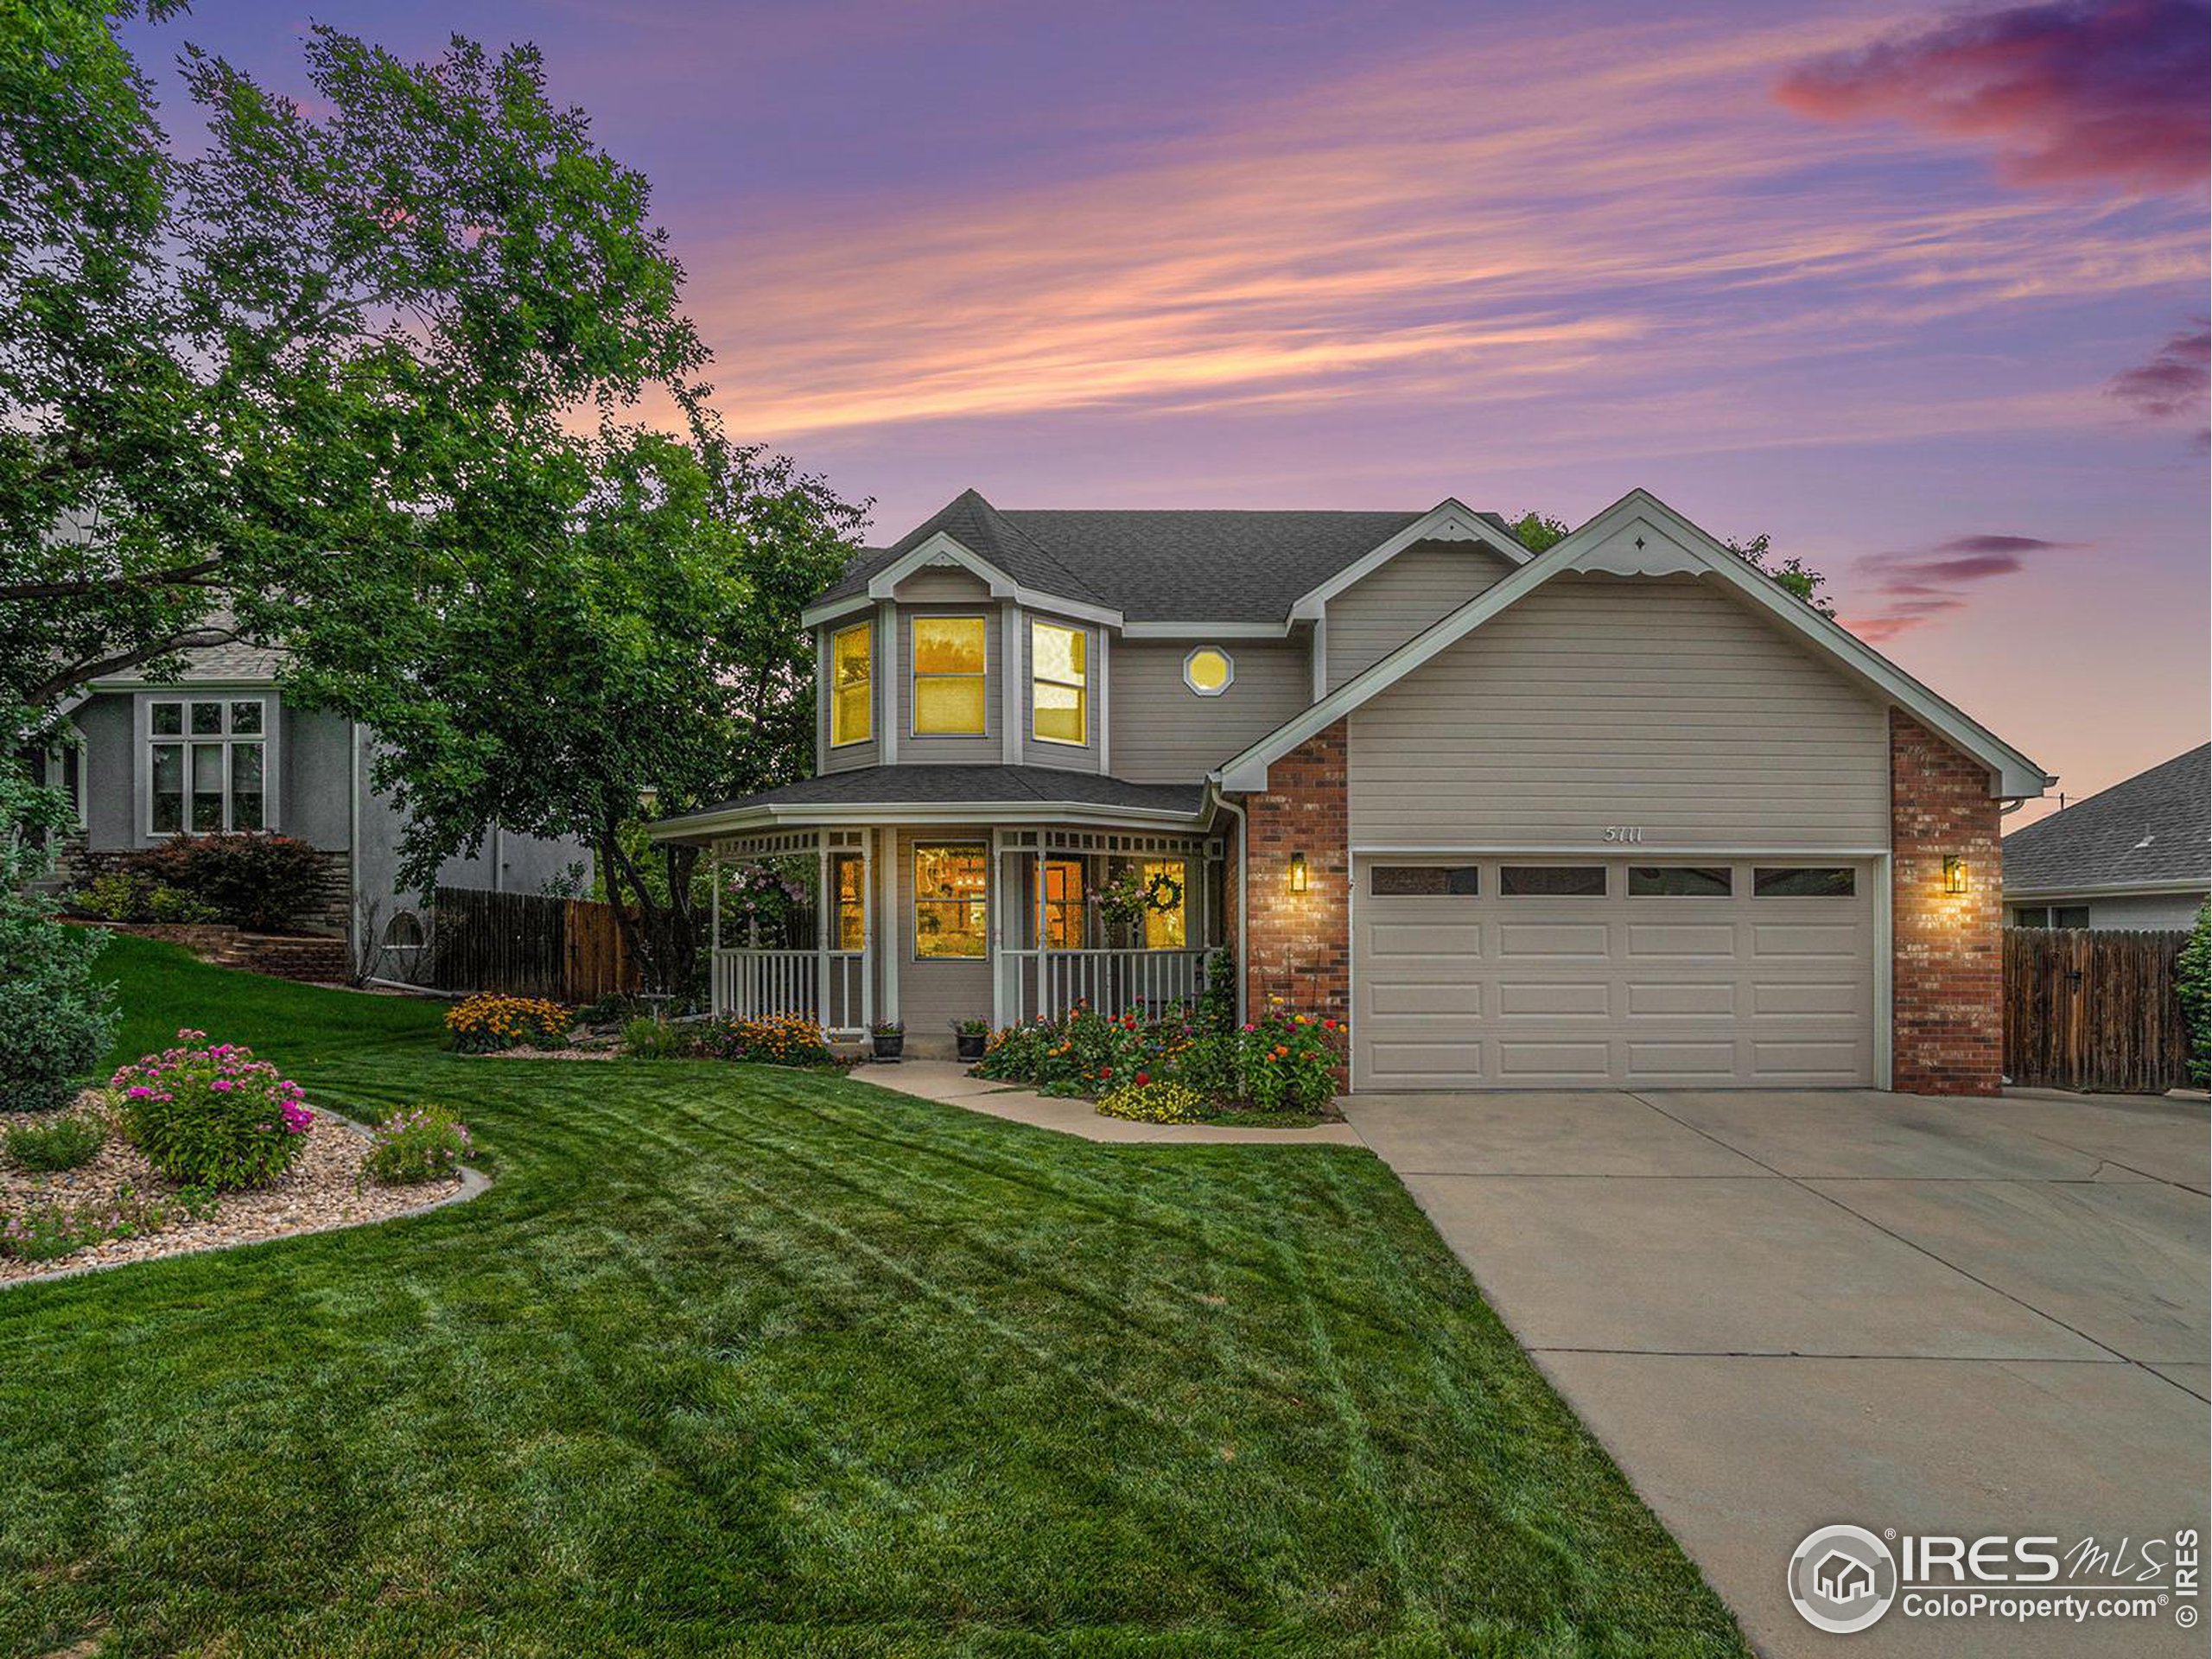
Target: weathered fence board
527	945
2093	1011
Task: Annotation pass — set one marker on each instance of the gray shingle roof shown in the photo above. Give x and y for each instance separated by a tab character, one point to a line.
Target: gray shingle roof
2156	827
981	785
1155	566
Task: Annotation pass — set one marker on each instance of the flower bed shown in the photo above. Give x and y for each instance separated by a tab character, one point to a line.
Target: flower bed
1281	1066
487	1023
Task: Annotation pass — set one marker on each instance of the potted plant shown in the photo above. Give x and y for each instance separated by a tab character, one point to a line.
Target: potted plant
890	1040
971	1035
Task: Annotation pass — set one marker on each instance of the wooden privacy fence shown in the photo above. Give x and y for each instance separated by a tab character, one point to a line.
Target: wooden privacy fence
526	944
2093	1010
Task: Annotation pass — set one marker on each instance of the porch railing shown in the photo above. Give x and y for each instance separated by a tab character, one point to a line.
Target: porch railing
1112	981
756	984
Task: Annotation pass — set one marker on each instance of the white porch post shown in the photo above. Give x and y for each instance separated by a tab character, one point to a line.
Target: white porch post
822	1012
1043	963
867	929
995	890
714	931
890	932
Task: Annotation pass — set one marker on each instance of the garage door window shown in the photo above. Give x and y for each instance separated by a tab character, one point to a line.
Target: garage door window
1678	882
1552	880
1811	882
1423	881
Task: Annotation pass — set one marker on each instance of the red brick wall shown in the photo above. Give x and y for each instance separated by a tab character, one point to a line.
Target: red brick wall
1299	946
1948	985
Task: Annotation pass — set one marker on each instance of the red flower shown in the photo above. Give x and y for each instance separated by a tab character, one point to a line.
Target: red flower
1105	1070
1328	1025
1143	1077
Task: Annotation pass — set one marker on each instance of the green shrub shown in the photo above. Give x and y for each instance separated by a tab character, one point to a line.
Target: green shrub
212	1116
650	1038
2193	985
55	1143
416	1144
780	1039
114	896
487	1022
56	1019
176	906
1287	1062
1084	1053
1156	1102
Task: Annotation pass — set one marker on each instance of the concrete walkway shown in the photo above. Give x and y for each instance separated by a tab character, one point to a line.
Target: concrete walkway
1780	1310
947	1081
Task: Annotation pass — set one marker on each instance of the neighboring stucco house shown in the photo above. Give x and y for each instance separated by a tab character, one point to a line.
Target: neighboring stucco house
2138	855
1622	813
223	748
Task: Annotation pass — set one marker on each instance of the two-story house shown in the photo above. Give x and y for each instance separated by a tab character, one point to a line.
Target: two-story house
1624	813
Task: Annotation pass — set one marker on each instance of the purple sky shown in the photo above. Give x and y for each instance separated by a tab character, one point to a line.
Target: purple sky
1920	293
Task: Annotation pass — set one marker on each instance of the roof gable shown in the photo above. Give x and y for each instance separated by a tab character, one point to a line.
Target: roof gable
1641	535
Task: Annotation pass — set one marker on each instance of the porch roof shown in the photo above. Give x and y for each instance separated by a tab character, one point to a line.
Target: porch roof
941	794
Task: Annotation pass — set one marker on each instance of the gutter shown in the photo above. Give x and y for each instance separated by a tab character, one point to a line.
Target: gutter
1215	797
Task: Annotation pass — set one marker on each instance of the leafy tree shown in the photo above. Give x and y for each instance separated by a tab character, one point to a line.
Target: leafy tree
641	645
287	375
1540	531
56	1019
2193	985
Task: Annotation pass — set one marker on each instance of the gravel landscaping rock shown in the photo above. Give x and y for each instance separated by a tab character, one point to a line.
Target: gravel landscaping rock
324	1188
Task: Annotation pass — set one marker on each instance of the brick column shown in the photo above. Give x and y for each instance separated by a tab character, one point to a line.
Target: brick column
1299	944
1947	988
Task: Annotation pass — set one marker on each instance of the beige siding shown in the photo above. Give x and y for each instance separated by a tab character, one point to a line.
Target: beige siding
953	751
934	992
1165	732
940	585
1598	700
1424	583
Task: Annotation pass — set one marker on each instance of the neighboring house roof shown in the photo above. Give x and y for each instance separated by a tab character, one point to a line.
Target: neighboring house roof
944	792
237	660
2154	831
1157	566
1642	536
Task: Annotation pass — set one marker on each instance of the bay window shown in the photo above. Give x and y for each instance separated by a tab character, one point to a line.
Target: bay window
1059	684
949	676
852	684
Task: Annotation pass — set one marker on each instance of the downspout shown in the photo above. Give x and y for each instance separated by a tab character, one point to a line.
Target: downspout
353	847
1243	878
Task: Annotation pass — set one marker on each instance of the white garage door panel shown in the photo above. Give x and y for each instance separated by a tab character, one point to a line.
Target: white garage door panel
1461	991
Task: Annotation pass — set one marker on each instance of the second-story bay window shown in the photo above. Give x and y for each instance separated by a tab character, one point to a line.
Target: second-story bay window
1058	693
852	684
949	676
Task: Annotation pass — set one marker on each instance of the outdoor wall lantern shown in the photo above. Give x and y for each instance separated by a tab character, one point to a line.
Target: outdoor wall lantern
1954	873
1298	872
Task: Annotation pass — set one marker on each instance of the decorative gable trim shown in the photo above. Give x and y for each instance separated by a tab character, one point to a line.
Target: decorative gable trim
1640	535
943	552
1449	520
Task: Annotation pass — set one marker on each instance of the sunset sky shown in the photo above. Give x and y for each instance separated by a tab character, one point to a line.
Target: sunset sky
1920	293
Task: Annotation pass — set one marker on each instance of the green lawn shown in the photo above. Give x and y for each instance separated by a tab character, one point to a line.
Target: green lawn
733	1360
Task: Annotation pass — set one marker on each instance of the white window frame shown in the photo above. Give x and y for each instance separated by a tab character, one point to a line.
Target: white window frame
1227	679
148	740
915	902
868	627
1081	689
914	677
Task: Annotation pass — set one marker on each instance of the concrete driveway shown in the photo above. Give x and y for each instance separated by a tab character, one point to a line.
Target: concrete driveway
1781	1311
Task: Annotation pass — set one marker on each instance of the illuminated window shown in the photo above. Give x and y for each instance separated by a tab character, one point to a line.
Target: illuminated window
950	886
1207	671
209	761
1064	904
852	684
1057	694
949	697
849	878
1166	930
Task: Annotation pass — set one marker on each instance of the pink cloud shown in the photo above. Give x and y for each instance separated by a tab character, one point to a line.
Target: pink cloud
2173	382
1907	589
2068	92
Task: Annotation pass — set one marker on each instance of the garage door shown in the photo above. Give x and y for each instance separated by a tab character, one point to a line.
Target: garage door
1524	973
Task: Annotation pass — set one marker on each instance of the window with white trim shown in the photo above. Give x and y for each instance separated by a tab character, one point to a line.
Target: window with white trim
207	764
950	659
1059	684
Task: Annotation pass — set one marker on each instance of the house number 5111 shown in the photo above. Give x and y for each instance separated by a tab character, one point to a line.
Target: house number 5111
1630	832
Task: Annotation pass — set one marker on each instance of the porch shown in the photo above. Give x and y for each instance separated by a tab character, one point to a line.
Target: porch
932	925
